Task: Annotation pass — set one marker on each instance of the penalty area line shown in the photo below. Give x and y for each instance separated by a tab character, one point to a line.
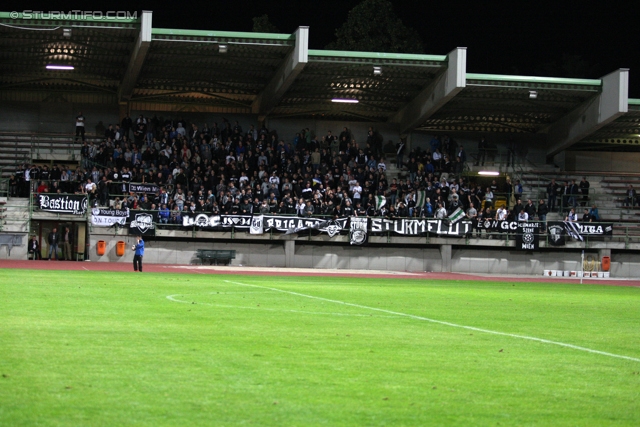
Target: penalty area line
441	322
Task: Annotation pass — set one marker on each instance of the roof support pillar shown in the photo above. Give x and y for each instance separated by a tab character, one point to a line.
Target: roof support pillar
285	76
610	104
438	93
125	91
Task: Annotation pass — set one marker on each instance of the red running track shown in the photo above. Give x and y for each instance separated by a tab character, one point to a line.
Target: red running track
269	271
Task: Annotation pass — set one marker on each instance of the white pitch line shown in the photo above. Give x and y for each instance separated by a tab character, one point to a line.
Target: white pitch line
441	322
172	298
238	292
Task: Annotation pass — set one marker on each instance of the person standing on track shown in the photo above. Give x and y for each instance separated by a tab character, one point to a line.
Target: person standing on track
53	239
139	253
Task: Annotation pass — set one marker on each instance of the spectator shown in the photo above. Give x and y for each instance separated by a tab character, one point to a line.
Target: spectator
523	216
33	249
80	122
552	194
572	216
584	189
482	151
53	239
400	148
630	200
164	214
543	210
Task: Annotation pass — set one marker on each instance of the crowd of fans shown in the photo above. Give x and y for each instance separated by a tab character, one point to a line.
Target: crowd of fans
228	169
225	169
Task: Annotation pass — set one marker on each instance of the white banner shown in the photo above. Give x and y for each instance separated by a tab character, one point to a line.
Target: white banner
108	217
256	224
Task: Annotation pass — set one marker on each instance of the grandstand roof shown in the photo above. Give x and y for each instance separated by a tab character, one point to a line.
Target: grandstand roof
499	103
128	61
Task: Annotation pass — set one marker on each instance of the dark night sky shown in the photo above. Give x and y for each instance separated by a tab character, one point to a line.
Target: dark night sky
514	37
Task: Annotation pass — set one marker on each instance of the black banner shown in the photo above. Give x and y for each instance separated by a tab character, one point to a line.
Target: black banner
358	230
259	224
528	236
494	225
143	188
143	223
293	225
216	222
75	204
557	233
421	227
559	230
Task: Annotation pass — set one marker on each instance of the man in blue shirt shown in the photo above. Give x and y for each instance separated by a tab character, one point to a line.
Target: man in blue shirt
139	253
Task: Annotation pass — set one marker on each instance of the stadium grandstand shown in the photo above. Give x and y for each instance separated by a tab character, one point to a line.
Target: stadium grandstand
255	146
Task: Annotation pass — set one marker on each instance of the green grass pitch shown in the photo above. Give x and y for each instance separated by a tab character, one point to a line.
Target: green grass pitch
118	349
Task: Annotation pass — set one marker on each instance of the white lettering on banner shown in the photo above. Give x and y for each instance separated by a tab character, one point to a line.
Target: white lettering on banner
414	227
201	220
63	204
143	222
590	229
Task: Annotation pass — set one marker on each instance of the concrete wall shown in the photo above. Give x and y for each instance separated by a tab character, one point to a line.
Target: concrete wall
53	116
464	259
601	161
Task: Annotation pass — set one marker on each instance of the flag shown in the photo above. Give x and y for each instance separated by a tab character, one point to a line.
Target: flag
573	230
557	233
456	216
421	198
304	225
256	225
380	202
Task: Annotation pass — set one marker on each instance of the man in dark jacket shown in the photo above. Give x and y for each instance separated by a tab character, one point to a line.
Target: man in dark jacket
552	193
53	239
530	209
543	210
33	248
584	189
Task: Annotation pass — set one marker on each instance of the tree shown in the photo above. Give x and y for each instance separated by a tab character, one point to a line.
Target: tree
262	24
373	26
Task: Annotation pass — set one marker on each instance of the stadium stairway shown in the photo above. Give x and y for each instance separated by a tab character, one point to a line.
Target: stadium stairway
17	148
607	191
14	215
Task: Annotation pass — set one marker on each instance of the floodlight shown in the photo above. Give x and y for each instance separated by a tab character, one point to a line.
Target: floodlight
59	67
